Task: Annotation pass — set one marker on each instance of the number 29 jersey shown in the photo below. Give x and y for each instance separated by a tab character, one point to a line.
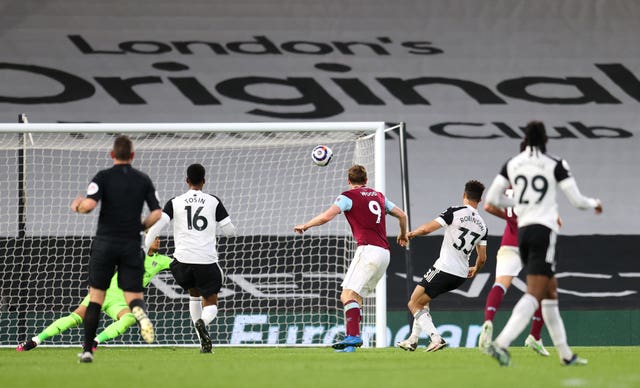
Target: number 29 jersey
534	177
195	217
464	230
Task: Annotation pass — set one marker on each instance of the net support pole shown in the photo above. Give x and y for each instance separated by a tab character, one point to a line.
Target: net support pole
381	288
406	204
22	183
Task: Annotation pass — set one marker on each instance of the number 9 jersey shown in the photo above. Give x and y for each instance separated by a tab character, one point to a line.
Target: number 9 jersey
464	230
196	216
365	210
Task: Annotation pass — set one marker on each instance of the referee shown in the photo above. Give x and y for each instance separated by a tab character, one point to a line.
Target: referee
123	191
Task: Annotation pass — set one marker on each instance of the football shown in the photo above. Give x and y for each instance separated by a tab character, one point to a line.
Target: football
321	155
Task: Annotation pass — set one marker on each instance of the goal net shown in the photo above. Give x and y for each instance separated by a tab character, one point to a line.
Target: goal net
280	288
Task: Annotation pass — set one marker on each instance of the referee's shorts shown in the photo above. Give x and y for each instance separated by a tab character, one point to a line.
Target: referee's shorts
109	253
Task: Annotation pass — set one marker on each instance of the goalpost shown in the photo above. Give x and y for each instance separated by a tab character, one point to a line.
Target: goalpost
280	288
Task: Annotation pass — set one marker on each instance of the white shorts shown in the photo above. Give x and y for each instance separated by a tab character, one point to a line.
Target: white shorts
369	263
508	261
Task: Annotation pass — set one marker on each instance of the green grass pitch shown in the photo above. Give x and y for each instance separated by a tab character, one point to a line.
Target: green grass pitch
313	367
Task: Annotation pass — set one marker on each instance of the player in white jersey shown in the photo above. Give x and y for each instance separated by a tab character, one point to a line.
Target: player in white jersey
465	230
196	218
535	177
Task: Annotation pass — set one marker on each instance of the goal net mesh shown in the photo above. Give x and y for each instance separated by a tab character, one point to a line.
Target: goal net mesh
280	288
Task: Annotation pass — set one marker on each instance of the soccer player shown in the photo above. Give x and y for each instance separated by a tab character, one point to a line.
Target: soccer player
365	210
123	191
115	306
465	230
508	265
535	177
196	218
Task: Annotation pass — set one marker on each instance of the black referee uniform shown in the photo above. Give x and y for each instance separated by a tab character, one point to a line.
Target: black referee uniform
123	190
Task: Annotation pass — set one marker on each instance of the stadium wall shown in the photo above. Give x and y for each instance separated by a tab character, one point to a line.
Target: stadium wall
599	293
464	75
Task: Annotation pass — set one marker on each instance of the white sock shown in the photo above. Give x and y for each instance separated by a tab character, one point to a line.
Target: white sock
209	313
520	317
426	323
36	340
195	308
415	331
555	326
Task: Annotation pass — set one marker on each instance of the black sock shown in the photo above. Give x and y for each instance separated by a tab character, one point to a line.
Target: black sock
138	302
91	320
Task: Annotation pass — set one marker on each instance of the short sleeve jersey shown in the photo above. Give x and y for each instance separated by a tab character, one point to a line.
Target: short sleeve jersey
122	191
464	230
534	176
196	216
365	211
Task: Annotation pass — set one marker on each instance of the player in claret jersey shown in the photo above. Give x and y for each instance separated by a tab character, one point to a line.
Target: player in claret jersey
535	177
365	210
464	231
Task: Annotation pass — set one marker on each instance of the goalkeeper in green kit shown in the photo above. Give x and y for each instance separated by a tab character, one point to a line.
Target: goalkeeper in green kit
114	306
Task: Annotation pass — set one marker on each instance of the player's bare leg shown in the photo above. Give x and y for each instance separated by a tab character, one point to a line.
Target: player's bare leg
419	307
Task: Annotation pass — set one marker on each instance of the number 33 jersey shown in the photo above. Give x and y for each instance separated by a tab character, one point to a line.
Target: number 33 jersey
464	229
195	217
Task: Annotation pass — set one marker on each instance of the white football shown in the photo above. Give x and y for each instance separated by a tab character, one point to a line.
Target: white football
321	155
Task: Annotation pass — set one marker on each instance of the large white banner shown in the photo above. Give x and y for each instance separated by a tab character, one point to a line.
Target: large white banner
464	75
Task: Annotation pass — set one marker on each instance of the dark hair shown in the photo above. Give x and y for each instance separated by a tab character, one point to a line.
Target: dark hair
523	145
536	135
195	174
358	175
122	147
474	189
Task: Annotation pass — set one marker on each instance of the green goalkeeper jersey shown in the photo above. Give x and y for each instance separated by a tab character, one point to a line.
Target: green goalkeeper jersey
114	300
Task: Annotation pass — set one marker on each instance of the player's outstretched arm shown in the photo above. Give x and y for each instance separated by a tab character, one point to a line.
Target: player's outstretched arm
424	229
318	220
496	211
570	188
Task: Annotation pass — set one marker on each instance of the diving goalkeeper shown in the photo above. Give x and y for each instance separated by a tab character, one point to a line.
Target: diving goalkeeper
115	306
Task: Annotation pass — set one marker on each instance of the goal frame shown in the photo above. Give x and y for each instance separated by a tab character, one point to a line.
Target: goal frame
375	128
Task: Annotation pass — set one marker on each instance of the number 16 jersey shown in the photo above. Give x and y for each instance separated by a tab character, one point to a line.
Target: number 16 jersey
195	217
464	229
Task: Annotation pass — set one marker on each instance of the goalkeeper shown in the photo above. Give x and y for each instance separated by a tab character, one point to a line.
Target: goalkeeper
115	306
